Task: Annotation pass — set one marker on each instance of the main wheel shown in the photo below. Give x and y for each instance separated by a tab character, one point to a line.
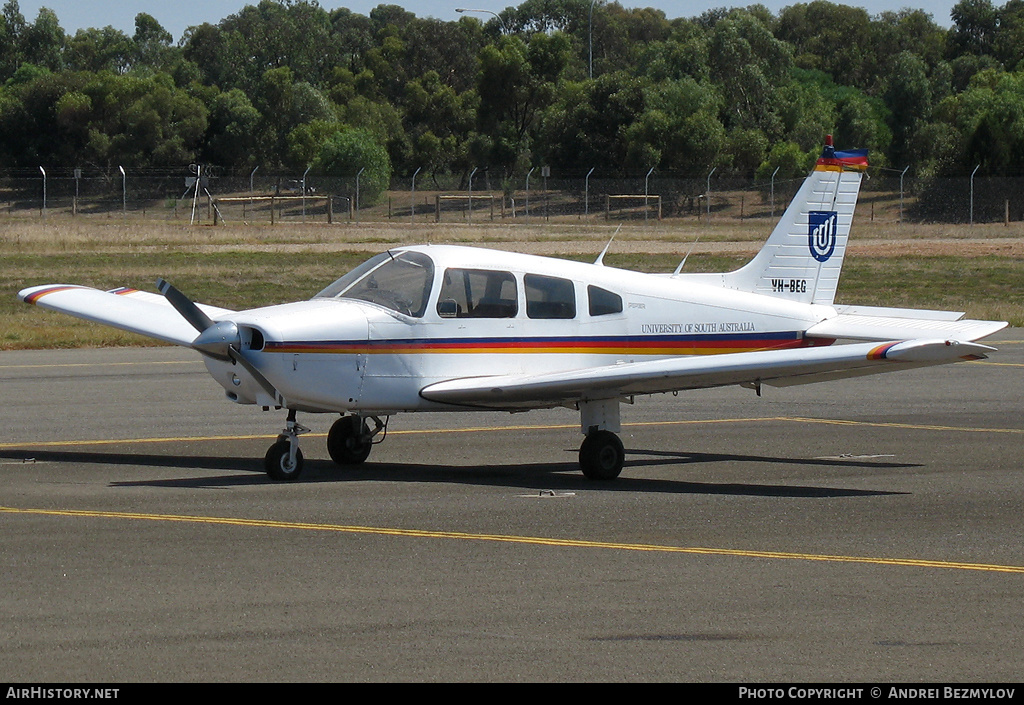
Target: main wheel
602	456
348	442
278	462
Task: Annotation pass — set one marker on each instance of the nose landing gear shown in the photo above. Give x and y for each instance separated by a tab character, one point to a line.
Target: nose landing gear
284	459
348	443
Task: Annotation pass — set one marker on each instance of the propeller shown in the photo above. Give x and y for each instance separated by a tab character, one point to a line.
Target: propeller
220	340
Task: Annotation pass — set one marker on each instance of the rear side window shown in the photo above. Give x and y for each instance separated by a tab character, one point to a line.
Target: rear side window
477	293
549	297
603	302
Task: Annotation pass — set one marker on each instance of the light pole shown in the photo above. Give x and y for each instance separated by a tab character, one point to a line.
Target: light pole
504	29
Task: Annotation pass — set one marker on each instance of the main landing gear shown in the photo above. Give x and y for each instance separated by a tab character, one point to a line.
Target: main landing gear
348	443
602	454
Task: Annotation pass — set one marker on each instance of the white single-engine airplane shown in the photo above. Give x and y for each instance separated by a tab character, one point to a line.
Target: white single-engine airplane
444	328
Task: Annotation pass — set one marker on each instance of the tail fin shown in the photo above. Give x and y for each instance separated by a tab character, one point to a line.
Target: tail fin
802	259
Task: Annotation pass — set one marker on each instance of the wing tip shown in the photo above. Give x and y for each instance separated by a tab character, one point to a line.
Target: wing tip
32	294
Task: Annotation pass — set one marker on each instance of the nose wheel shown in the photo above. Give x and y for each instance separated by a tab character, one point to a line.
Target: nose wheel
283	461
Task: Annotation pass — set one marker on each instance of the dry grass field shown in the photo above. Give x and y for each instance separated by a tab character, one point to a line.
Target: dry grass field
978	269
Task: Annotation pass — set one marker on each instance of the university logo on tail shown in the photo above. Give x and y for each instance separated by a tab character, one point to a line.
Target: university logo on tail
821	236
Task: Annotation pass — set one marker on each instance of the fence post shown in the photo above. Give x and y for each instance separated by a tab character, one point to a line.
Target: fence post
44	191
707	194
972	192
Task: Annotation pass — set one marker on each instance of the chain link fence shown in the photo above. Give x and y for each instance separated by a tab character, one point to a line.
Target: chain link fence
178	195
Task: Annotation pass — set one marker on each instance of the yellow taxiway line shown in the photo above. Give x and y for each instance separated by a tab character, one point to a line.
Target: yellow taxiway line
527	540
536	427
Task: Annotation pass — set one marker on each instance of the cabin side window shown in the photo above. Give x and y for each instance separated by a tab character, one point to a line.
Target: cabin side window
603	302
477	293
549	297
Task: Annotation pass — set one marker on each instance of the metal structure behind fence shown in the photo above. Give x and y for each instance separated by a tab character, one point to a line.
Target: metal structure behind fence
169	195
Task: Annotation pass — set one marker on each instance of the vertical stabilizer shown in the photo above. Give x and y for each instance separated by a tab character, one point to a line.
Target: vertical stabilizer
802	259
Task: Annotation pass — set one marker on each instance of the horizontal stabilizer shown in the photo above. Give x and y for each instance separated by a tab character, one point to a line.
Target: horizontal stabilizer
772	367
127	309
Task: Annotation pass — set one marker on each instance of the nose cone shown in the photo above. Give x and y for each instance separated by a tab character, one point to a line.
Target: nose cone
217	339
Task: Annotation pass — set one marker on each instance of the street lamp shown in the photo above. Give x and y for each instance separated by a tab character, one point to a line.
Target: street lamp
504	29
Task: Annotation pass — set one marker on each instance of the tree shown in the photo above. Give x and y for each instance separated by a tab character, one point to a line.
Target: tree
233	133
43	41
438	122
516	82
747	65
974	27
791	162
12	28
95	50
679	129
831	38
346	152
152	43
908	97
586	126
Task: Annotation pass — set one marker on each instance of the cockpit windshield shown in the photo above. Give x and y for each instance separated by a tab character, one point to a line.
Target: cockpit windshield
400	282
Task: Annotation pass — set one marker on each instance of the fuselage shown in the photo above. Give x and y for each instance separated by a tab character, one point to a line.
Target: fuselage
420	315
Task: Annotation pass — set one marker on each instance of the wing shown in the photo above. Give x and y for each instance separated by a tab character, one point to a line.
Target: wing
128	309
874	323
773	367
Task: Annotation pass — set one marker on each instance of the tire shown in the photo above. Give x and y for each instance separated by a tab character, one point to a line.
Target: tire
347	441
276	462
602	456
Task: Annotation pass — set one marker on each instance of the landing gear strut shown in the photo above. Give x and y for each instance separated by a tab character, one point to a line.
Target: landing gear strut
284	459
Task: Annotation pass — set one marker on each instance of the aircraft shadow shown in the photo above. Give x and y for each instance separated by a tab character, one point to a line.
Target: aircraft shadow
540	477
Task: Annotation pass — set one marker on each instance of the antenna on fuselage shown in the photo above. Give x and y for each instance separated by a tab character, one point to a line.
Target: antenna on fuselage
600	258
680	267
